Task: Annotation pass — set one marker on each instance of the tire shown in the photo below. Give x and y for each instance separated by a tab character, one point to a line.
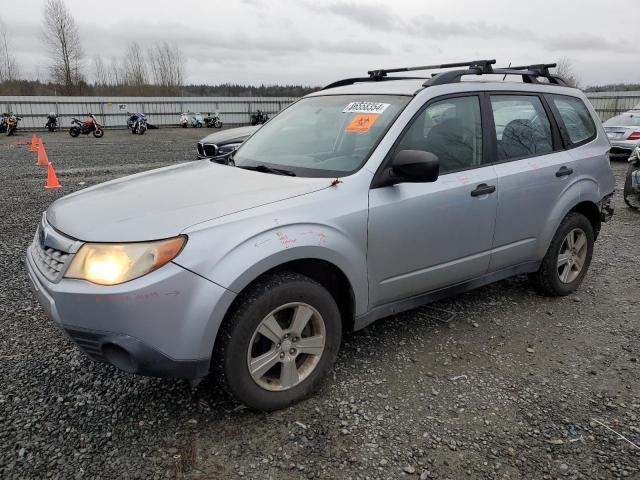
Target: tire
238	339
548	279
627	193
142	130
74	132
98	133
217	124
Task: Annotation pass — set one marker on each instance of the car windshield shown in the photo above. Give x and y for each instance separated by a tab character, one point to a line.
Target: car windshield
327	136
632	120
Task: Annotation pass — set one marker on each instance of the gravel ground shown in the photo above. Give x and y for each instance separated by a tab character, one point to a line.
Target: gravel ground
496	383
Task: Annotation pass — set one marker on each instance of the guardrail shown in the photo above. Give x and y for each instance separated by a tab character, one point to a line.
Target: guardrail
160	111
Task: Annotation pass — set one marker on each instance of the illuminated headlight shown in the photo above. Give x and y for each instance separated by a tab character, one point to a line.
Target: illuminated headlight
114	263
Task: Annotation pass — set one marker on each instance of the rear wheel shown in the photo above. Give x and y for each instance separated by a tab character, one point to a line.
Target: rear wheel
567	259
74	131
631	198
279	342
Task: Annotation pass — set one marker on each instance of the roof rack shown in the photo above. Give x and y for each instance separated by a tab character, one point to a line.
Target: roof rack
529	73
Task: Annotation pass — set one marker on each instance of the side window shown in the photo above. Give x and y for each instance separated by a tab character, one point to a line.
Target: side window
450	129
522	126
576	118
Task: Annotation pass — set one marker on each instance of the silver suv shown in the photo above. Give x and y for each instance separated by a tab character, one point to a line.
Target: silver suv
369	197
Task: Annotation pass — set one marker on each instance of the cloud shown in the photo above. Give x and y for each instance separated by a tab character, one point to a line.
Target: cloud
589	42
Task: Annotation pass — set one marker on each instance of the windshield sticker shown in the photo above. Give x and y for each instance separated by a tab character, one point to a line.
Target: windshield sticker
365	107
361	123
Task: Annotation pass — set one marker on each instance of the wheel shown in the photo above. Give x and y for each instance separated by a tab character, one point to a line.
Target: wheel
567	259
142	130
133	130
98	133
74	131
279	341
630	198
184	125
198	125
217	124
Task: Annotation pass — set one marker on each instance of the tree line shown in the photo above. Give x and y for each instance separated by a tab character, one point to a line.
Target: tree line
155	70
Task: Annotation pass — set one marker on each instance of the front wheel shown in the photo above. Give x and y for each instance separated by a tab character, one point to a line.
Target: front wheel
98	133
568	258
279	342
74	131
631	198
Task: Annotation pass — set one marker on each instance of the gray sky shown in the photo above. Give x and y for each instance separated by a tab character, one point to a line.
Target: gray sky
314	42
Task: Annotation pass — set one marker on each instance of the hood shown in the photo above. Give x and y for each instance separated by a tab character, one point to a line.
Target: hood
230	135
162	203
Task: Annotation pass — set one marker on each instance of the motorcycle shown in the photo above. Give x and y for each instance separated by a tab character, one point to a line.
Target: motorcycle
3	123
213	121
137	122
631	190
196	120
52	122
86	127
259	117
12	123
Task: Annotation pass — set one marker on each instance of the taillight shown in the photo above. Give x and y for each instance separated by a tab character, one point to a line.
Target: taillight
634	136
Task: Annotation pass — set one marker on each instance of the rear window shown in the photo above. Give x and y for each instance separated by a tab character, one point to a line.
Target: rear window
576	118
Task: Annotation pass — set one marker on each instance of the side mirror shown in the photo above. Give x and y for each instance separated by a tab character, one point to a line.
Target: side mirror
411	166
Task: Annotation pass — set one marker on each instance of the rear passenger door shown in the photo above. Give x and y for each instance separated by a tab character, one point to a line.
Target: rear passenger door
533	171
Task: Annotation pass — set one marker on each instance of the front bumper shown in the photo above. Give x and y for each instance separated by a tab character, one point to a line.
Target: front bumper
162	324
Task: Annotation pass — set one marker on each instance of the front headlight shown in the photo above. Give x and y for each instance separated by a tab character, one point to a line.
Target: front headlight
111	263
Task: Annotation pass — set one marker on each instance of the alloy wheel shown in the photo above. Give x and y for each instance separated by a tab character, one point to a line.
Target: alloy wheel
572	255
286	347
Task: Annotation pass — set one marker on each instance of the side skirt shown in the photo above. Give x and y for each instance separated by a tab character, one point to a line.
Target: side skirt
398	306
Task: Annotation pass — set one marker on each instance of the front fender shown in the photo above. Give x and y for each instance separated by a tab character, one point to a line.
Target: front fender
234	262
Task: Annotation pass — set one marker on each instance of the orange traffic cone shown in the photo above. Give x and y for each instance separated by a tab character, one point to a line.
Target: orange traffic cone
43	160
52	179
34	143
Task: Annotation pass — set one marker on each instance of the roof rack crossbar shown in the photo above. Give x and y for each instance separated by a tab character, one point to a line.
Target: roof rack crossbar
529	73
485	65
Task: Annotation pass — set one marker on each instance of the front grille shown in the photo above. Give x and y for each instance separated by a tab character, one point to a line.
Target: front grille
200	148
50	262
210	150
88	342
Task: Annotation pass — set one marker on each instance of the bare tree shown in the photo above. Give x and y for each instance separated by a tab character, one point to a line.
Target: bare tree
167	67
101	73
565	70
8	64
61	35
135	67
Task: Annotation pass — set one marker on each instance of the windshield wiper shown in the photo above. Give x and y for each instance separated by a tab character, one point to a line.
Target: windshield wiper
265	169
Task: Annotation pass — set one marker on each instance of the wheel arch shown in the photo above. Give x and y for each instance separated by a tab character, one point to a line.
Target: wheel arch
322	271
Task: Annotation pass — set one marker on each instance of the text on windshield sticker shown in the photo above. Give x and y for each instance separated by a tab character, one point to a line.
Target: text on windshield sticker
361	123
365	107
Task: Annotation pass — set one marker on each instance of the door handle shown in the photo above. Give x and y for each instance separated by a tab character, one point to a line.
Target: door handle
483	189
564	172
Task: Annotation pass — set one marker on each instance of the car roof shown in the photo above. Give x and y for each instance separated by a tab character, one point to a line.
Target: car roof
412	87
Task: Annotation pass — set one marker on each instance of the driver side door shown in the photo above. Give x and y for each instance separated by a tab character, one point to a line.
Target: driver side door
427	236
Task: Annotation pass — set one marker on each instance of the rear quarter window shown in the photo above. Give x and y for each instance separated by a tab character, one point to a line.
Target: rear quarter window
575	117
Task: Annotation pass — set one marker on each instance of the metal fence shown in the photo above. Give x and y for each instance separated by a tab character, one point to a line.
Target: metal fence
165	111
160	111
610	104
